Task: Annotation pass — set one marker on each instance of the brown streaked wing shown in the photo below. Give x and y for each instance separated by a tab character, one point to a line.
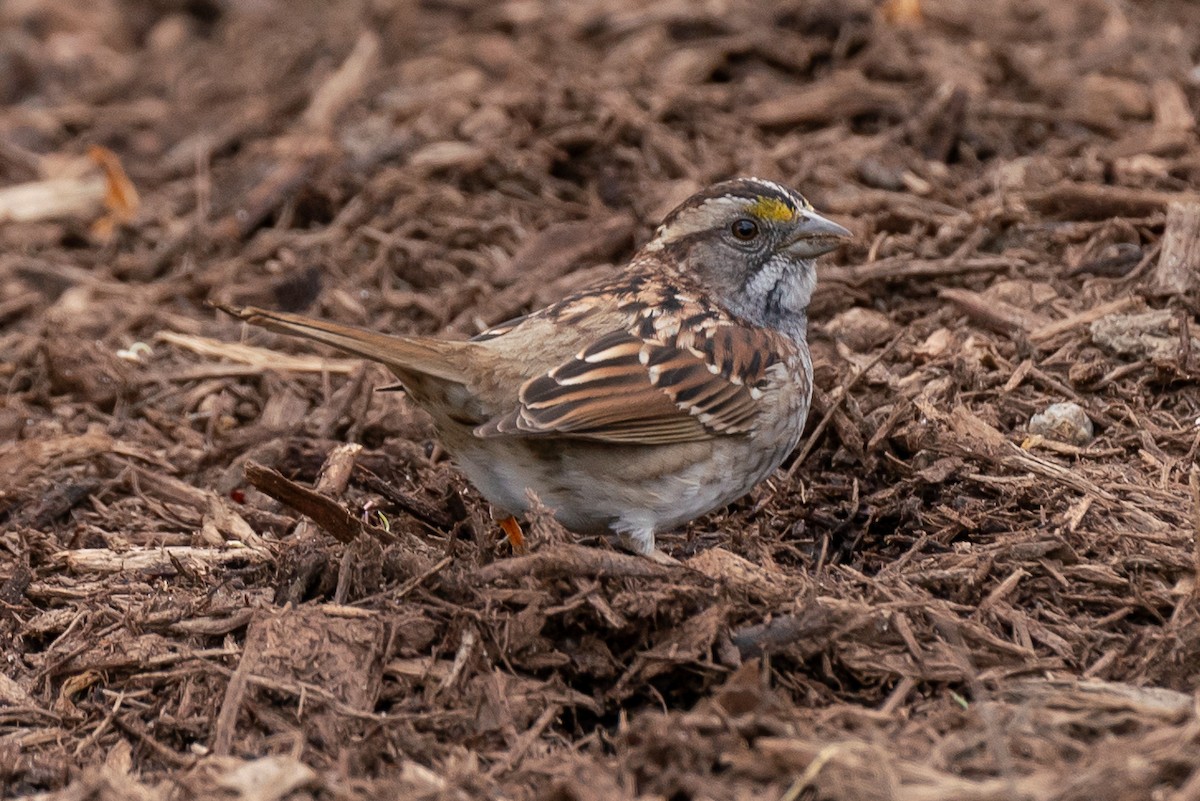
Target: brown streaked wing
719	387
624	388
604	393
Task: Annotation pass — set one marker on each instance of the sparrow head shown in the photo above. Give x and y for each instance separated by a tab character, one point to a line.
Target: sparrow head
751	242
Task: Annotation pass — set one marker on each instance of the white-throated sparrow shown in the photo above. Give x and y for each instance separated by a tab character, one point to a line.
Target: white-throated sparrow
641	403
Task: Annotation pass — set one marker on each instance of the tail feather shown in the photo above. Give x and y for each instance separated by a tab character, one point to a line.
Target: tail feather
433	357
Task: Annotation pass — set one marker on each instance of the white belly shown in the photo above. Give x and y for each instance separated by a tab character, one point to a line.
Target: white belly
631	490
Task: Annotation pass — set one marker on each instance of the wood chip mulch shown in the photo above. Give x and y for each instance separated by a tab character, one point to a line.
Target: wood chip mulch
230	568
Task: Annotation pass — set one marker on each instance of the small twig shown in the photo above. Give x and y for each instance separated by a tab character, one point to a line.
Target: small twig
168	755
466	648
327	513
1083	201
814	622
302	690
905	268
575	561
342	591
417	581
1003	318
54	665
344	86
1050	330
407	587
898	695
157	560
425	512
53	199
1185	341
100	727
231	706
261	359
514	756
847	385
280	183
325	419
332	481
1194	484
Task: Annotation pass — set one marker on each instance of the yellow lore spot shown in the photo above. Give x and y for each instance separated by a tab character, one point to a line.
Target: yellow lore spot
772	209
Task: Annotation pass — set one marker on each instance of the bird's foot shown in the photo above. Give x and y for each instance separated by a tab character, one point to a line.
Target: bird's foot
512	531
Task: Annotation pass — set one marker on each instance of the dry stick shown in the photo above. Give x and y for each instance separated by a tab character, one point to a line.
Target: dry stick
407	587
231	706
1003	318
344	86
1051	330
900	620
325	512
840	96
813	622
517	753
1185	341
1176	273
979	440
128	661
332	481
417	581
1194	483
277	186
302	690
466	647
322	511
898	695
574	561
101	727
52	667
829	413
1138	269
425	512
261	359
325	419
1096	202
168	755
900	268
341	591
19	305
53	199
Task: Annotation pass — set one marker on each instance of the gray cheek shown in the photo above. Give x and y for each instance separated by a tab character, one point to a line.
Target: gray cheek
723	265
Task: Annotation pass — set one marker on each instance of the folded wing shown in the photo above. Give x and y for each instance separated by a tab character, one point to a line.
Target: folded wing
626	388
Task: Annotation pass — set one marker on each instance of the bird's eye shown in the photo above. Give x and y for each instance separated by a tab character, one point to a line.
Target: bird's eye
744	230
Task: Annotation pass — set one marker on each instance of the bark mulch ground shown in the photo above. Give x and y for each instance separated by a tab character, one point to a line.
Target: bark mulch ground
934	599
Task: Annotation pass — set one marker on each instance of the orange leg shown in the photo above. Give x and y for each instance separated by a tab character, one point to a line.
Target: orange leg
512	530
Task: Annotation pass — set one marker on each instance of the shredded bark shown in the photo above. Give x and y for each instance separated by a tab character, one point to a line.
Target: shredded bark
927	603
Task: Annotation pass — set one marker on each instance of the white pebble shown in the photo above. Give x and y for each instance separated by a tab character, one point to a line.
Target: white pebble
1067	422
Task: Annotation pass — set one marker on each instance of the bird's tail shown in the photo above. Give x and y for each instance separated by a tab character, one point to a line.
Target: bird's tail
439	358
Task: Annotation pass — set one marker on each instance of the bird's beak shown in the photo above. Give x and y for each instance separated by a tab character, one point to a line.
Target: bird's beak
815	235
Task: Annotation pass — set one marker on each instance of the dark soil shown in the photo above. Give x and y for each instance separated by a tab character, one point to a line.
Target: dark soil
929	602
